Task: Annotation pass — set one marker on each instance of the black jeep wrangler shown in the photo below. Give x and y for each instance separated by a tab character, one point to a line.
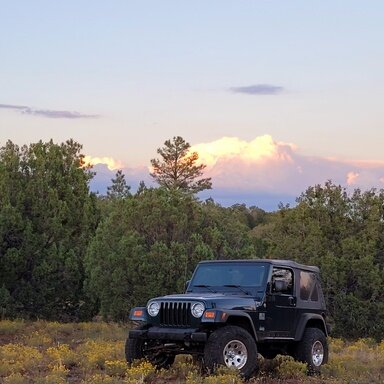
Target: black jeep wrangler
233	310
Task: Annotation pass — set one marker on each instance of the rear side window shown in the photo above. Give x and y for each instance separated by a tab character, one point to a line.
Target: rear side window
308	286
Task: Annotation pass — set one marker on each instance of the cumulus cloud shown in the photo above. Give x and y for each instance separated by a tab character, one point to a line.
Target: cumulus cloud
265	172
111	163
258	89
352	178
48	112
259	150
264	165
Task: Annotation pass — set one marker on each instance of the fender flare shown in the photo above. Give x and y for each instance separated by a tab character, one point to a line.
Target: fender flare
222	316
305	318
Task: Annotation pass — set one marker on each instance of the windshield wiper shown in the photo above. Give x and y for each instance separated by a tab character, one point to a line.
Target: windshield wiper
236	286
205	286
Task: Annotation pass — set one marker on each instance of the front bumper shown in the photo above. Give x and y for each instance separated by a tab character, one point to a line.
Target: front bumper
169	334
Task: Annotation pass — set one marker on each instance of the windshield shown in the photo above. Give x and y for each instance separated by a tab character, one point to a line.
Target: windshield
230	277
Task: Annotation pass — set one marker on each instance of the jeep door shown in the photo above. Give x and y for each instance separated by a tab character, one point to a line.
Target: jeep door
281	304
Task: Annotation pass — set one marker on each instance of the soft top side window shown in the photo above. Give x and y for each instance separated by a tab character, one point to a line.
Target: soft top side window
308	286
282	281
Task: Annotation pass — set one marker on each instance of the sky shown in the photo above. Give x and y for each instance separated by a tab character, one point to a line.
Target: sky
275	96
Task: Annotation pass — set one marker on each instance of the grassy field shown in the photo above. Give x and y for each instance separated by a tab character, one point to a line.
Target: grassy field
54	353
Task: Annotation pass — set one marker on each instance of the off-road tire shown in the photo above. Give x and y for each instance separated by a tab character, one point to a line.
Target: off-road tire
313	350
224	342
135	350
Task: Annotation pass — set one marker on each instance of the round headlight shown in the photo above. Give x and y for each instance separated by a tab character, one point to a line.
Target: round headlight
198	309
153	308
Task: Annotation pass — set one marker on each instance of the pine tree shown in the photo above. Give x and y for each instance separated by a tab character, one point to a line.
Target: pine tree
119	188
177	168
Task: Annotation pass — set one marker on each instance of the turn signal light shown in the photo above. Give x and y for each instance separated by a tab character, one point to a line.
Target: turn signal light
138	312
209	314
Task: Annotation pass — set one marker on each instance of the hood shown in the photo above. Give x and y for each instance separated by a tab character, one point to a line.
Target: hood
214	300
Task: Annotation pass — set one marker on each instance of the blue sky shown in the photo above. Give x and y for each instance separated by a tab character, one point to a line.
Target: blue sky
121	77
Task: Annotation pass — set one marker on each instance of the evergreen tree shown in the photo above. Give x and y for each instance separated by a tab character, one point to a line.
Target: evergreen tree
47	217
119	188
177	168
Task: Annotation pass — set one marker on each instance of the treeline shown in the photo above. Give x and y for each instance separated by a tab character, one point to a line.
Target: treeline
67	254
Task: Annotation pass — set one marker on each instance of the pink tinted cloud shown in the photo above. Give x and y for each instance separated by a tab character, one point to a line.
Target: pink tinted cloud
262	168
352	178
266	165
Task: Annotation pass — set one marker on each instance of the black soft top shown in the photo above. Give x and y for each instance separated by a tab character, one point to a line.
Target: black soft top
279	263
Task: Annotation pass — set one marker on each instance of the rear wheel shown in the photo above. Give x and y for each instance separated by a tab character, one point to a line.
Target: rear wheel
313	349
233	347
136	349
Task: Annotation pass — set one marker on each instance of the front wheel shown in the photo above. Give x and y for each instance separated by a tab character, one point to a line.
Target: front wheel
136	349
232	347
313	350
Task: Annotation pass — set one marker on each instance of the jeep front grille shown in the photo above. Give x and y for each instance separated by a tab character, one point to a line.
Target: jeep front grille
175	313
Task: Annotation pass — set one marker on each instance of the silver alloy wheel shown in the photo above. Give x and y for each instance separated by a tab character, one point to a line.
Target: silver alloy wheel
317	353
235	354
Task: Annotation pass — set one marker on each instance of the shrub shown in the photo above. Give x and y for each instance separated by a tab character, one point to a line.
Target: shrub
116	367
223	378
62	355
15	378
101	379
288	368
38	339
17	358
8	327
96	353
56	376
138	371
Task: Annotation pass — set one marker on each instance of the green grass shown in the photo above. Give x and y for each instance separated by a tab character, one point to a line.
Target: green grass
51	352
